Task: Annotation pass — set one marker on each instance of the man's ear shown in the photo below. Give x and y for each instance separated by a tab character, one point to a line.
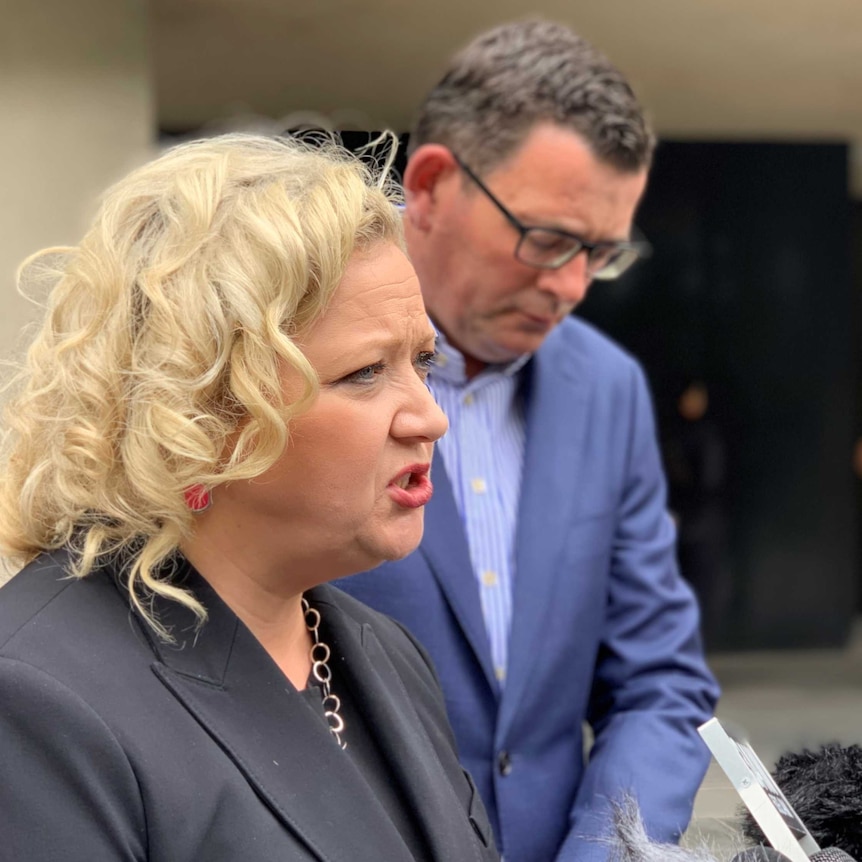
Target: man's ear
428	165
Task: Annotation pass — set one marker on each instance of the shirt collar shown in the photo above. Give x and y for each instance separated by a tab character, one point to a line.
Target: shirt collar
450	366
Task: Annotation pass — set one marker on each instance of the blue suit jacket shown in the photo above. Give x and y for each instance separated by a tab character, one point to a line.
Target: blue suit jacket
604	630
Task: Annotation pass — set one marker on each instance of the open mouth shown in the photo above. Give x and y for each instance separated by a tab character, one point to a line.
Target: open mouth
406	481
412	487
411	476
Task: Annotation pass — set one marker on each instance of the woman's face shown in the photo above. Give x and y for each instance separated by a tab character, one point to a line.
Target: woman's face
350	489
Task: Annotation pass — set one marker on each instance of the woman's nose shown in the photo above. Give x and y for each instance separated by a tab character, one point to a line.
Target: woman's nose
421	417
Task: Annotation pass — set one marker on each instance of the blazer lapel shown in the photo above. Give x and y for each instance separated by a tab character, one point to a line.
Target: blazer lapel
375	688
556	394
446	550
229	683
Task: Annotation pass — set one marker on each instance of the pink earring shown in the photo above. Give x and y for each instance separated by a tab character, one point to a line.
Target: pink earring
198	498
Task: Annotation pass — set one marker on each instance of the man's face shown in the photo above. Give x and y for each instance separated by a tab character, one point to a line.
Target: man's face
490	305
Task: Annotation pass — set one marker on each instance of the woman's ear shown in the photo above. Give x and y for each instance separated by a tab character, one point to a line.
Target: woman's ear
425	169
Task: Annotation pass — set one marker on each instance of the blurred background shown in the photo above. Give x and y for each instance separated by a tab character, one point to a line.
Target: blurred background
746	317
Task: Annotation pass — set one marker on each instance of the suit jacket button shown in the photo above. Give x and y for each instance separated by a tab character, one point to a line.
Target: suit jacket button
504	763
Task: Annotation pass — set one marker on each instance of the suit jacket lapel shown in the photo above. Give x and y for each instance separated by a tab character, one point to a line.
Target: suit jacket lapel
556	394
229	683
446	550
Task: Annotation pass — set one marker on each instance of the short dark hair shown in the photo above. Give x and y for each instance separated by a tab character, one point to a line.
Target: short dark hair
512	77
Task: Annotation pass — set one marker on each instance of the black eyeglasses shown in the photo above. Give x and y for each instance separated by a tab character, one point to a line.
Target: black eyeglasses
550	248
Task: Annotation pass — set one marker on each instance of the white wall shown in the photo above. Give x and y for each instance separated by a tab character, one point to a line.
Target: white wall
76	112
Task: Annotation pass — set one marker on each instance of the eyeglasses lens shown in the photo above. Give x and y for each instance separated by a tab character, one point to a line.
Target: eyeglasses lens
615	262
547	249
550	249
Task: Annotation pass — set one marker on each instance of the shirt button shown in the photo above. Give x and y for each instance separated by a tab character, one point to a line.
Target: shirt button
489	578
468	399
441	359
504	763
478	485
500	673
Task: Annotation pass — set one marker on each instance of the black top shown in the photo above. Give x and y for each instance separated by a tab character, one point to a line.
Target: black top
363	749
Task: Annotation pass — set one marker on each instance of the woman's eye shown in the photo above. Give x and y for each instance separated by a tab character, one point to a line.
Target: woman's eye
425	362
366	374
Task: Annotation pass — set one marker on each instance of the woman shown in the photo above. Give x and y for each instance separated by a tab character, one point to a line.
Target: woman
224	409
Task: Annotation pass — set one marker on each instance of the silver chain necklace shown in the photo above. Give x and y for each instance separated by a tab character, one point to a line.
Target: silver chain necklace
321	671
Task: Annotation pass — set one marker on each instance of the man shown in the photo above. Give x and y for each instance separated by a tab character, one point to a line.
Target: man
546	588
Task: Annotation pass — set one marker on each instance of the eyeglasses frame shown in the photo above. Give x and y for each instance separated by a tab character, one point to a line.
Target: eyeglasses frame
641	248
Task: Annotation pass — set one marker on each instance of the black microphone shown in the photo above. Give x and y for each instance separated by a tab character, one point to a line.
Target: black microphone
831	854
825	789
762	853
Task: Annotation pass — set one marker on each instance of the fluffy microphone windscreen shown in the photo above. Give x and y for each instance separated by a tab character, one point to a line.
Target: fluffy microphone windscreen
825	789
630	842
761	853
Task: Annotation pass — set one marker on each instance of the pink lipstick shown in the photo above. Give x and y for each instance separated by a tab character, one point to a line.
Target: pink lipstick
412	487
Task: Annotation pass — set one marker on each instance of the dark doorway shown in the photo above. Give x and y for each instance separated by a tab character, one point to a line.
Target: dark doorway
749	296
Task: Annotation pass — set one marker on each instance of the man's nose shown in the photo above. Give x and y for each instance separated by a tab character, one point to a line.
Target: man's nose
570	283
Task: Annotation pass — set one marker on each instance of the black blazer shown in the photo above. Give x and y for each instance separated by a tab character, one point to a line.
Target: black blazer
116	746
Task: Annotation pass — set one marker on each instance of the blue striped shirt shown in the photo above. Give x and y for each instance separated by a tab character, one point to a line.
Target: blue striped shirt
484	455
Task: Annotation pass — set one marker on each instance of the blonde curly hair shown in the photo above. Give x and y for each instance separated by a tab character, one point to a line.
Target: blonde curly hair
159	363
